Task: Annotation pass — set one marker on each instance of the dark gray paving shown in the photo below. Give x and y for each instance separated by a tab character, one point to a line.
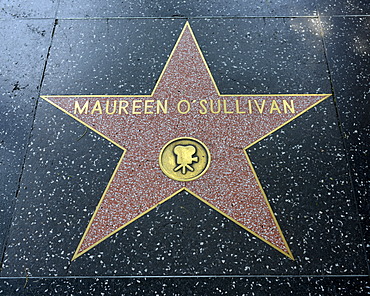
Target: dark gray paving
188	286
113	56
303	170
182	237
343	7
268	56
187	8
347	43
65	174
97	9
18	9
24	46
109	56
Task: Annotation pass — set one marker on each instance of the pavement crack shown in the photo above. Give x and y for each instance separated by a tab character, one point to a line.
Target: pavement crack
27	149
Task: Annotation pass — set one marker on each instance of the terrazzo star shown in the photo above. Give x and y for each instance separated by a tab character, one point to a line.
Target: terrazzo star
204	154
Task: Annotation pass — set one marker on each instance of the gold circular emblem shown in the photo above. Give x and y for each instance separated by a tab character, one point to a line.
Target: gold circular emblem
184	159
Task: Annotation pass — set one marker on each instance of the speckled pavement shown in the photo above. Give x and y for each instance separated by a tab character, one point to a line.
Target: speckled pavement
309	167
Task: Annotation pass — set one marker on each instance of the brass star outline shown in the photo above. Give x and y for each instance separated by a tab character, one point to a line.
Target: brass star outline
187	34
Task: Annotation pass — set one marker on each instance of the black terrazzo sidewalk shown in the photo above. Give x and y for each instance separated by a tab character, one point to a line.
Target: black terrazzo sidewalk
314	170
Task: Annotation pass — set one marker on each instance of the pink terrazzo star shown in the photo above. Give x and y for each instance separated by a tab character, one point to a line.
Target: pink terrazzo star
185	103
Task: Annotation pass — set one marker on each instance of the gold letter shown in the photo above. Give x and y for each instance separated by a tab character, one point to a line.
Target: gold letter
274	107
250	106
134	106
201	103
286	105
225	110
188	107
120	108
237	108
218	107
147	107
97	108
160	106
107	107
84	108
260	108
